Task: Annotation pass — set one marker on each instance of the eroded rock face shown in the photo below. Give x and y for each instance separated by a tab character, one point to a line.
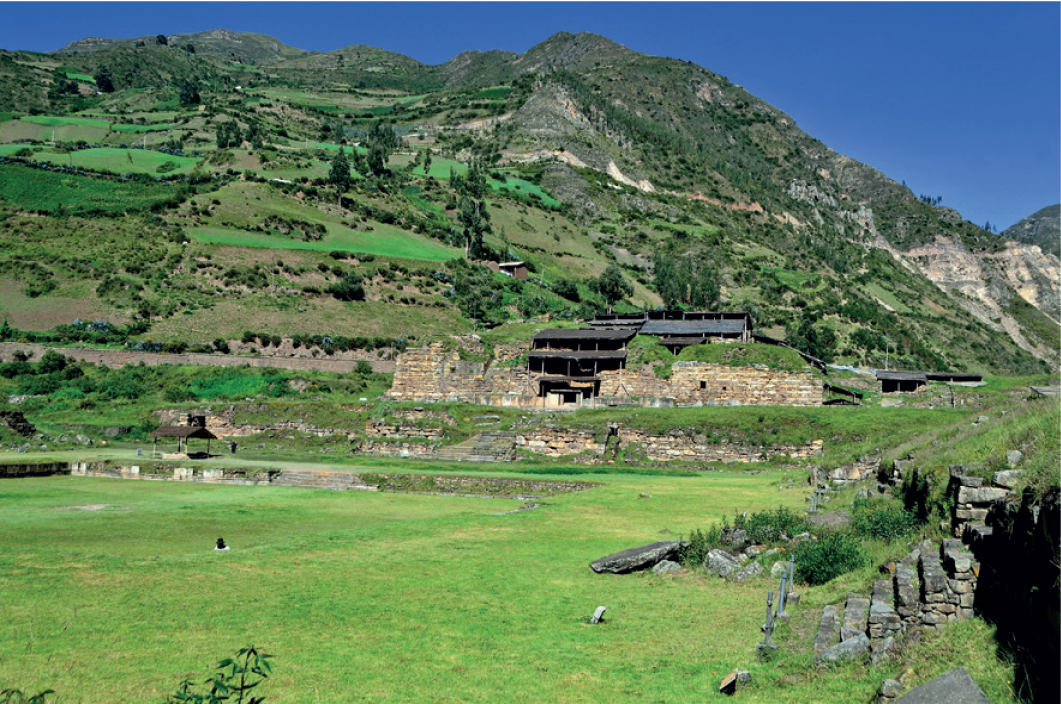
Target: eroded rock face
639	558
1034	275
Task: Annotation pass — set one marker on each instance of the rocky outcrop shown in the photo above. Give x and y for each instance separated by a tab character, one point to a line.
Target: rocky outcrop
17	422
639	558
1032	274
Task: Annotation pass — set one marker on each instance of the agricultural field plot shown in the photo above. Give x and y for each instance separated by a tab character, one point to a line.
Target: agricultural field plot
111	591
116	161
93	131
45	312
325	315
38	190
242	204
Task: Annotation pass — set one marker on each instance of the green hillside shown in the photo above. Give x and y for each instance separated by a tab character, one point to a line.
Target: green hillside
576	156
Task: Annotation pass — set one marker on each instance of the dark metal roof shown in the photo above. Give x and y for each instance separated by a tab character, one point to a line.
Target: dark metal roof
183	431
568	379
572	354
686	328
620	317
560	334
953	376
682	341
883	375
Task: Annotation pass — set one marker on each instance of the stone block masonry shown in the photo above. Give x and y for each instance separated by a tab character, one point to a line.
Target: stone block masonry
437	373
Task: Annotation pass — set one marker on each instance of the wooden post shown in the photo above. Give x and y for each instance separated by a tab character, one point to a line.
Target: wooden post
769	626
781	596
791	572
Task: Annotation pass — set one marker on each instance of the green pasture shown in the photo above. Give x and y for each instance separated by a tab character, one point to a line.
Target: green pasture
76	74
52	121
37	190
111	592
385	241
114	160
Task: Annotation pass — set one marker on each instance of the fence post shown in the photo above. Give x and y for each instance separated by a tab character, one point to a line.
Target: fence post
781	596
769	627
791	571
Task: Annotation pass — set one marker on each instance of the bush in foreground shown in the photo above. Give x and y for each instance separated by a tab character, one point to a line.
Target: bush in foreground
832	555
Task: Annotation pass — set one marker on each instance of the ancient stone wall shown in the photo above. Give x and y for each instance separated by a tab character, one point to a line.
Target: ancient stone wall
436	373
39	469
679	446
221	424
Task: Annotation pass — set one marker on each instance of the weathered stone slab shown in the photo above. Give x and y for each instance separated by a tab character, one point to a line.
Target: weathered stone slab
856	617
721	563
666	567
953	687
981	495
639	558
850	649
753	570
828	630
1009	479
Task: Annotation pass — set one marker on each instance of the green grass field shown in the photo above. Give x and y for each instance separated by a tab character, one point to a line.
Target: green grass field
35	189
111	592
114	160
385	241
52	121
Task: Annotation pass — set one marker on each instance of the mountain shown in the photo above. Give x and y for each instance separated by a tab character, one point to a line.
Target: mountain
1042	228
595	155
220	43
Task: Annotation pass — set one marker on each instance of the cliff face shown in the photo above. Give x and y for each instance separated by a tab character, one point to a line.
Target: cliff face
1042	228
1034	275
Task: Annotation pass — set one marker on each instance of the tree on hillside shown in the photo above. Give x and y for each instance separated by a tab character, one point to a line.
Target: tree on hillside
189	92
474	218
381	141
612	286
686	280
816	340
427	163
228	134
161	40
103	80
339	174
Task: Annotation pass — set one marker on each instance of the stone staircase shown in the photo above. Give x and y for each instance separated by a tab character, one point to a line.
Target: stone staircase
486	446
931	586
313	479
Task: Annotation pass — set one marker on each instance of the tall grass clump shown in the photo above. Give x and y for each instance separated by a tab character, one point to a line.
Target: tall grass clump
883	520
831	555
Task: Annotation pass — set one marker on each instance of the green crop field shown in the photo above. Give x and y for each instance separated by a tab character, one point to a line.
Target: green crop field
385	241
37	190
111	592
51	121
114	160
118	127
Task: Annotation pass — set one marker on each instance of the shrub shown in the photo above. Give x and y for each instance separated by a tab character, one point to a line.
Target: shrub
178	395
221	346
768	526
362	368
833	554
882	520
701	543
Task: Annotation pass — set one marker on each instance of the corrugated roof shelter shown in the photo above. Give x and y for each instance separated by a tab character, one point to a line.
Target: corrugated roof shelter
584	339
892	381
693	328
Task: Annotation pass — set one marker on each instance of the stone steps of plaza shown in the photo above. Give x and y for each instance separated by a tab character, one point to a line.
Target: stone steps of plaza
486	446
311	479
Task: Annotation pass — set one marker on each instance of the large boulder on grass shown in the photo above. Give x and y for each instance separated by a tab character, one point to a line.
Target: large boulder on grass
721	563
636	559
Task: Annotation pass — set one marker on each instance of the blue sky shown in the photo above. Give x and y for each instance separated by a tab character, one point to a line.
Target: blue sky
958	99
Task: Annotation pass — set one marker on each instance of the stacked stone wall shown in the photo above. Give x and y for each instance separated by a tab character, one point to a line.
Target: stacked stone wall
679	446
437	374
